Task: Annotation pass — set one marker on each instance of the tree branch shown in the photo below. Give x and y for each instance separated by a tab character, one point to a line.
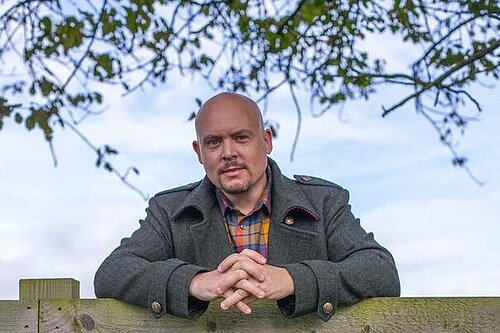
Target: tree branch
123	177
441	78
299	120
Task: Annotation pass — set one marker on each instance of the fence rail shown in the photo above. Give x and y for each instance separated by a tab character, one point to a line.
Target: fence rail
69	314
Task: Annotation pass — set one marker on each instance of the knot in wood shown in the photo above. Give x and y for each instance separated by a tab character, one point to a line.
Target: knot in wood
87	322
212	326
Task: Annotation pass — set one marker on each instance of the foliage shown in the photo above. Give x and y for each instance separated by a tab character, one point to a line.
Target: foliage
66	51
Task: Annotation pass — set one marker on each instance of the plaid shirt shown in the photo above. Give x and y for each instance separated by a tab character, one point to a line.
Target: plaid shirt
248	231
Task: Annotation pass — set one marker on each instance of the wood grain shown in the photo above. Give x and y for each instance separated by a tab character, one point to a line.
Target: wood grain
475	314
34	289
18	316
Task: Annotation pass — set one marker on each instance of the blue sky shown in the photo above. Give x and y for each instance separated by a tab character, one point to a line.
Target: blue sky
441	227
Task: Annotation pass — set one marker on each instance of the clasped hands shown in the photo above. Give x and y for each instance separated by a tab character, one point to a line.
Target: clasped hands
241	279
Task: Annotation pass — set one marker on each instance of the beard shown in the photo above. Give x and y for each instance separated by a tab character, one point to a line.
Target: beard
236	186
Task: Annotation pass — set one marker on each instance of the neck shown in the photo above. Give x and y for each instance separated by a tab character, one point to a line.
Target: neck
243	202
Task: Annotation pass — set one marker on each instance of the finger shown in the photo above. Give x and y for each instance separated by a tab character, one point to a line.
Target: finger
249	299
241	305
250	287
234	298
257	271
255	256
235	257
229	279
228	262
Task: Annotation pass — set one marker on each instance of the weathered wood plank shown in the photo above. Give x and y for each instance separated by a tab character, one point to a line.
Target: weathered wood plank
18	316
48	288
374	315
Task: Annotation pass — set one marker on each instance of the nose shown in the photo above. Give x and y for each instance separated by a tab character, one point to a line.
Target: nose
228	150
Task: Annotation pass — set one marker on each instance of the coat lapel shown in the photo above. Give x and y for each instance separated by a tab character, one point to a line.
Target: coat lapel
211	240
290	242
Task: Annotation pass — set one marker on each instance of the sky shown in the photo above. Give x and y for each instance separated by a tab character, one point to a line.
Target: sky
441	227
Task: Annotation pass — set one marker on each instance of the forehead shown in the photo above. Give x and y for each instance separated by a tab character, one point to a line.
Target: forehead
227	114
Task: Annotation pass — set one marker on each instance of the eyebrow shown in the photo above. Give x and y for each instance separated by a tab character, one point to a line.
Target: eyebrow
210	137
241	132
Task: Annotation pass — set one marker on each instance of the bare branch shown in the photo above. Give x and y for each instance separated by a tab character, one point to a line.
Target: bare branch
123	177
299	121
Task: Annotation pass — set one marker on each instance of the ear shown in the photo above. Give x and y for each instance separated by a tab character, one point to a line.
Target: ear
196	148
268	140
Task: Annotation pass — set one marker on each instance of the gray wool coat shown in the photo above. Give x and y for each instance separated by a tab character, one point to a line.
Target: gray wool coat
313	234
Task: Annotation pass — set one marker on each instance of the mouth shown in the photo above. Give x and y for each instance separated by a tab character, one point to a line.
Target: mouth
232	170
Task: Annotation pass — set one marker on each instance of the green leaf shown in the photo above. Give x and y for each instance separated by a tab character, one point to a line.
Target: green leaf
69	33
18	118
311	9
46	25
5	110
131	20
106	63
46	87
30	122
338	97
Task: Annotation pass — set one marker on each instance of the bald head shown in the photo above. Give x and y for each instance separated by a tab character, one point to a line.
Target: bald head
231	101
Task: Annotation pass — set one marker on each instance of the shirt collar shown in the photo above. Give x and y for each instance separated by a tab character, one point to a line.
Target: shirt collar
265	199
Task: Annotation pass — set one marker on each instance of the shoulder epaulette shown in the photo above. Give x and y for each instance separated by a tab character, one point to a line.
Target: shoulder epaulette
315	181
187	187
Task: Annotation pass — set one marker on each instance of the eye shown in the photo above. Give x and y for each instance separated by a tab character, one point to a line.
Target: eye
242	138
212	143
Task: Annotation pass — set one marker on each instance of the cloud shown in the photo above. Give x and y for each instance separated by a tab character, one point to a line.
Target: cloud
443	245
440	226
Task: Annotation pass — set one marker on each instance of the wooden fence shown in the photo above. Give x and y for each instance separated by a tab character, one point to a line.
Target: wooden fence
53	305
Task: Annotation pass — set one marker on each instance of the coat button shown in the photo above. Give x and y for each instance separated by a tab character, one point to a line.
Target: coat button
327	308
156	307
289	220
306	178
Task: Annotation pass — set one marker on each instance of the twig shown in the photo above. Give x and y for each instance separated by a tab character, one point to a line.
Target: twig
123	177
299	121
441	78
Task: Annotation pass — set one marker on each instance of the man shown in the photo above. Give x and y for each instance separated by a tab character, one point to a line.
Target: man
246	232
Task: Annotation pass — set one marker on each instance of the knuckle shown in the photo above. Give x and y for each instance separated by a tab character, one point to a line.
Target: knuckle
241	293
242	274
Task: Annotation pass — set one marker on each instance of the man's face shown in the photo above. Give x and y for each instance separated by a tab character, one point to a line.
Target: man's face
232	145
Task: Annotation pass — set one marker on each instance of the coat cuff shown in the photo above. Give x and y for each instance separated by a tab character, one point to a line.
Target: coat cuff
327	284
179	302
305	299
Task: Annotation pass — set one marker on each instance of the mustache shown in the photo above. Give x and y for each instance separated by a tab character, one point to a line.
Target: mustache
229	165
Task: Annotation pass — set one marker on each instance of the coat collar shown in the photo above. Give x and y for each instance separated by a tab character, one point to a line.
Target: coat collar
285	194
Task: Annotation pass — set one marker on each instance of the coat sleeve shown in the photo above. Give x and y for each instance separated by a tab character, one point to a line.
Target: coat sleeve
357	267
144	271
